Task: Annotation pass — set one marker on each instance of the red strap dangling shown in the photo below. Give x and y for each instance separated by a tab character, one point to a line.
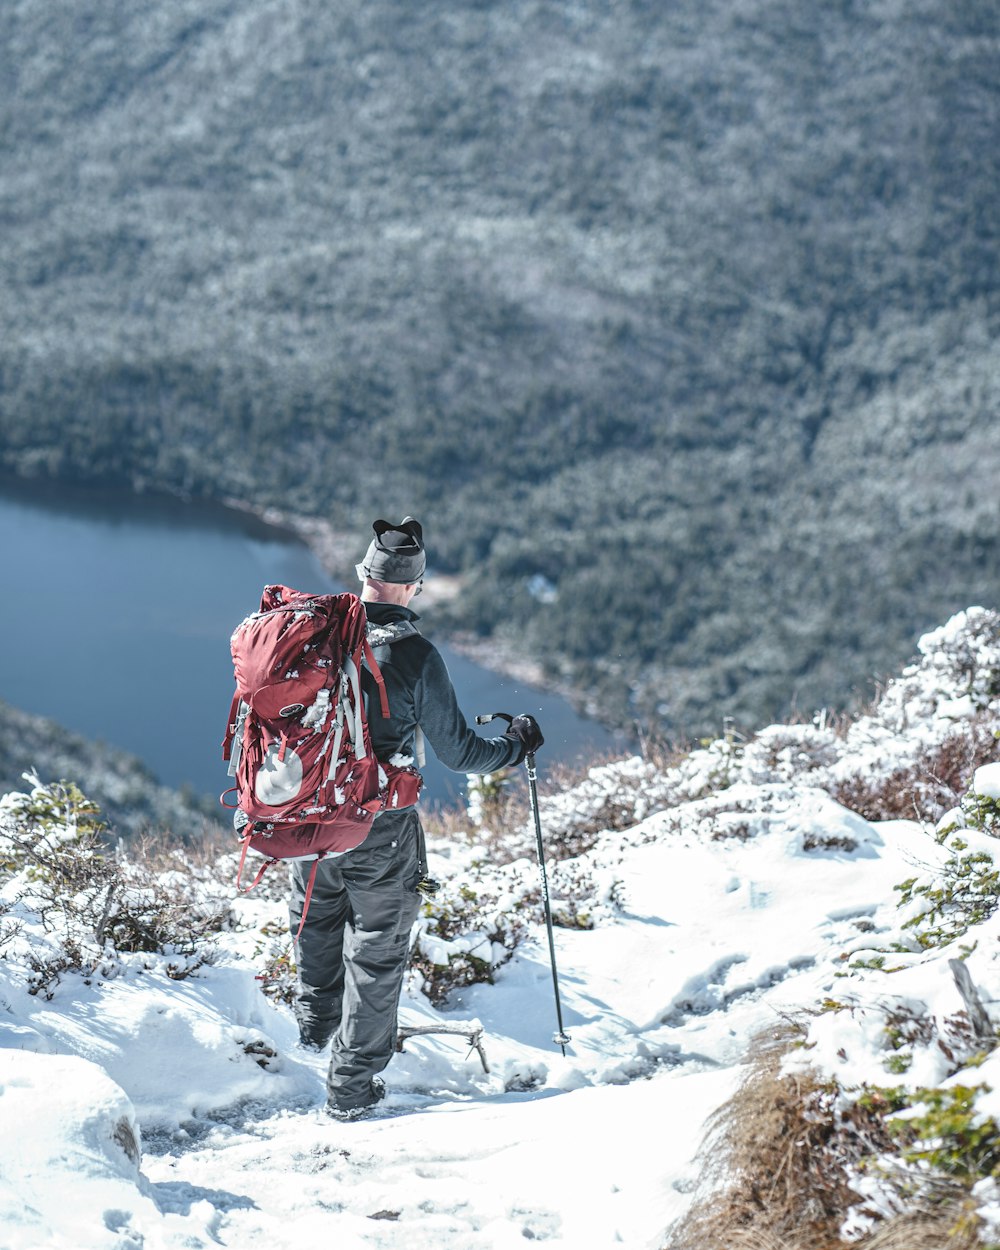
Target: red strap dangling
308	895
245	889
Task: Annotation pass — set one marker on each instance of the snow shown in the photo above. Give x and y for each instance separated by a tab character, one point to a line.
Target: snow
315	715
986	781
717	912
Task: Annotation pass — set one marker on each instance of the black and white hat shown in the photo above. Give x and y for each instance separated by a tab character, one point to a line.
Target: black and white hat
395	554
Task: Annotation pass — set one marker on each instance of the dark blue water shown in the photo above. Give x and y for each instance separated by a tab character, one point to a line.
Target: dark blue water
117	612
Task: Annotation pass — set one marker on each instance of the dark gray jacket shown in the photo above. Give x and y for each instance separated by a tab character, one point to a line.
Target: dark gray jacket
420	693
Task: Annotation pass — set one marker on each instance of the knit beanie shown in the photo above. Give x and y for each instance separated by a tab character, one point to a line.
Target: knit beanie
395	554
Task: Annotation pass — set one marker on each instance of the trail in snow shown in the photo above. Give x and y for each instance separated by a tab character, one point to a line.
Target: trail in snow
714	941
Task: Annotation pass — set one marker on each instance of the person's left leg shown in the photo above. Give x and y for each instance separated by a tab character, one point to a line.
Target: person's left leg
319	953
381	881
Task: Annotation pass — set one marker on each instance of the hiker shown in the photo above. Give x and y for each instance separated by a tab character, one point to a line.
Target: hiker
354	946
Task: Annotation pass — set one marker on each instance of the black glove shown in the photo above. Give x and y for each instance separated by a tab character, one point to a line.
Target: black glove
525	732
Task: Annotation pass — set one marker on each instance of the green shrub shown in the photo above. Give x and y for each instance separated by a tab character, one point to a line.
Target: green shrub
949	1135
982	812
966	893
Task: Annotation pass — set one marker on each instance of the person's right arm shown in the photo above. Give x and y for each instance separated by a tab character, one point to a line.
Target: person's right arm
455	744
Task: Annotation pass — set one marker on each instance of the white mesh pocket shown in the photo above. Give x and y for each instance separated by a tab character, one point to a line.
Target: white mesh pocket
278	780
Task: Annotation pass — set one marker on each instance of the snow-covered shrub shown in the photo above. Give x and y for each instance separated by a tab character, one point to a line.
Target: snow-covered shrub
575	810
788	752
943	1130
278	977
96	905
981	806
35	827
488	799
929	729
609	798
929	785
965	890
481	915
715	766
905	1028
935	1163
468	930
957	675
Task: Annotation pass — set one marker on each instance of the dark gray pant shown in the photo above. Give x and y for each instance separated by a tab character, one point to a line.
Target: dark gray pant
354	949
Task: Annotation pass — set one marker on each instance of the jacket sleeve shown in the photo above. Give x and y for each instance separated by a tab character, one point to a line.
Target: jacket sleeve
455	744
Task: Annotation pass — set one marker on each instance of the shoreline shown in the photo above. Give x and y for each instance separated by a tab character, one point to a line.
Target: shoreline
337	553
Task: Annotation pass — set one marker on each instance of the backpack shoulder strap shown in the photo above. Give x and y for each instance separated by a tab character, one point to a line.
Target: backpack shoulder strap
381	639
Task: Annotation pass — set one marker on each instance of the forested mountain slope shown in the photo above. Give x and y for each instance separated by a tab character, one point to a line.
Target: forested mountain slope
676	324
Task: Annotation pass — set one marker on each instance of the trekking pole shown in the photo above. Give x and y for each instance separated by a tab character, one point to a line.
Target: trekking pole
560	1037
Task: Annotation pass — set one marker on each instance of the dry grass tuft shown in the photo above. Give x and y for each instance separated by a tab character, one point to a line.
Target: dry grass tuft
161	850
776	1182
778	1157
951	1226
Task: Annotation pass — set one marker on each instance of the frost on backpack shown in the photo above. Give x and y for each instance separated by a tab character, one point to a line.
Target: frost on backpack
307	784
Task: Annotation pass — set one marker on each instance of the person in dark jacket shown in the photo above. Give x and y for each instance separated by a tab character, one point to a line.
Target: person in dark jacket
354	947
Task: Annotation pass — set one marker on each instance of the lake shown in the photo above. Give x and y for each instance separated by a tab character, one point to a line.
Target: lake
119	610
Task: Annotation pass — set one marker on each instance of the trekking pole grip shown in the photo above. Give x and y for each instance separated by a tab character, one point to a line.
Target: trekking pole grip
485	719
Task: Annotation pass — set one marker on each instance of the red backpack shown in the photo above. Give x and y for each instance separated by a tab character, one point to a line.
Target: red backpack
297	740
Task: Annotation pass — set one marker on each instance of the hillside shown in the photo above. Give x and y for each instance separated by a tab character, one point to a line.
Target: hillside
722	900
130	798
692	309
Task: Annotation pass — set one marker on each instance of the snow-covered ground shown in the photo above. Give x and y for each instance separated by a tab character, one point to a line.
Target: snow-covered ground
739	894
